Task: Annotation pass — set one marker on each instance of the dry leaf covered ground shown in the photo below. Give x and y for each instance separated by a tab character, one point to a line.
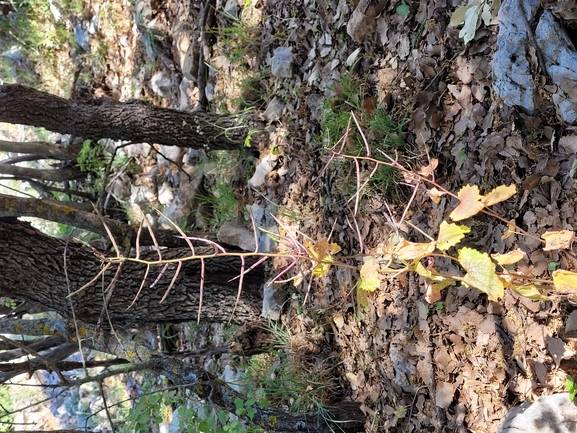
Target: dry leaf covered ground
457	365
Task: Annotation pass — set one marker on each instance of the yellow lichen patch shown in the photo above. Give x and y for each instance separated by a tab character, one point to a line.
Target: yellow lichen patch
47	330
67	209
82	331
10	205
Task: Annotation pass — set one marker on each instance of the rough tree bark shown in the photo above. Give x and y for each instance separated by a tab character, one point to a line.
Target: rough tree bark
42	148
33	268
132	121
58	175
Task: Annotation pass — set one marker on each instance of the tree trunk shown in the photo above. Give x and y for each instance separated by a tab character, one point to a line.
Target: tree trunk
132	121
46	150
58	175
33	267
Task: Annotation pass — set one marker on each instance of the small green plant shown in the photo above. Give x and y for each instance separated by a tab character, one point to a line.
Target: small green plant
91	158
224	205
194	416
6	406
237	40
250	91
571	387
32	31
439	307
351	106
284	377
10	303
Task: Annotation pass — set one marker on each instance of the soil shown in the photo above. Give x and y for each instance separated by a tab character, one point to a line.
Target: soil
455	365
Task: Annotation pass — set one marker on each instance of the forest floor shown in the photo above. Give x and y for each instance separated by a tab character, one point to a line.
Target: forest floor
460	363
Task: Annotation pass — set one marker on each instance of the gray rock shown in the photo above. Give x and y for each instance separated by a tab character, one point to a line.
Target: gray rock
231	8
513	79
233	233
550	414
190	61
281	62
274	109
82	35
265	166
233	378
273	298
13	53
161	84
362	23
560	60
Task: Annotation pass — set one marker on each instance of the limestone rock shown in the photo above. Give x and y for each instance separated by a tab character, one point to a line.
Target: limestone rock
513	78
560	61
549	414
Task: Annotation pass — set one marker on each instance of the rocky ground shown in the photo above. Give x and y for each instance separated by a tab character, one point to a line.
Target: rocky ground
457	365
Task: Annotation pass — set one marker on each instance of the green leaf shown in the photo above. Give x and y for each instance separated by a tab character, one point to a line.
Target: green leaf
238	403
481	273
570	387
403	9
222	416
439	307
450	235
250	413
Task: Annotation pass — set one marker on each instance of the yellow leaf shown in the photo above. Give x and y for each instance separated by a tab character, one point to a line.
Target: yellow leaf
435	194
434	282
510	230
334	248
499	194
410	251
421	270
529	291
507	279
558	240
320	254
565	282
369	279
481	273
450	235
470	203
362	299
321	269
458	17
509	258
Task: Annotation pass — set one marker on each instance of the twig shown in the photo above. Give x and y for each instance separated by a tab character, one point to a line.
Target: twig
45	360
